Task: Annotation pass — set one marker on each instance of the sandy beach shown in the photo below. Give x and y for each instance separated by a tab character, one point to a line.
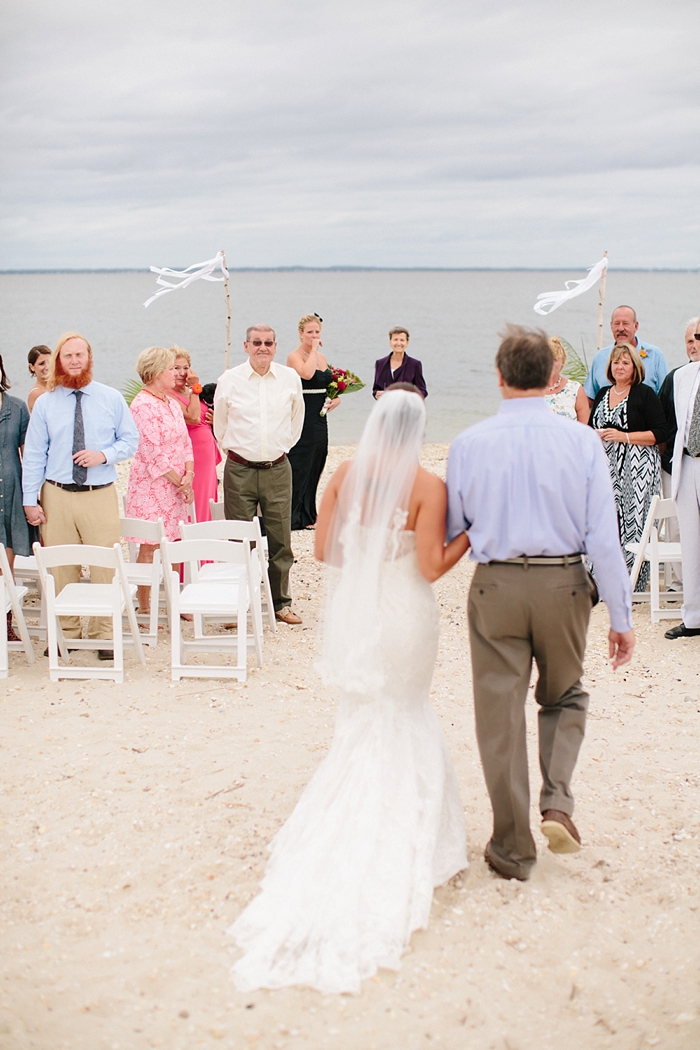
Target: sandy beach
135	822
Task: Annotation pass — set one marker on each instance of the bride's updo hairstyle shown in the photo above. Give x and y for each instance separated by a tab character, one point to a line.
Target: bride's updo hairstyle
365	536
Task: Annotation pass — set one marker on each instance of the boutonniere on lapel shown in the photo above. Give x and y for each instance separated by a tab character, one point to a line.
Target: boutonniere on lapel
642	352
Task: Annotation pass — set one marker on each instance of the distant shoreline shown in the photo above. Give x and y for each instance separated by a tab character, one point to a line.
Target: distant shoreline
376	269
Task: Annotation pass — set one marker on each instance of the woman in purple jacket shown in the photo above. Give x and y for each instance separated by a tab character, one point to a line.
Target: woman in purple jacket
398	367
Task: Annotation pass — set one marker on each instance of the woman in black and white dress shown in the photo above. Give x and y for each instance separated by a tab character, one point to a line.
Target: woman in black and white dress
630	420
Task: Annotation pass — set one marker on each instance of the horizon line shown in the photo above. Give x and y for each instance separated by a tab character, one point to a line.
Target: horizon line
361	269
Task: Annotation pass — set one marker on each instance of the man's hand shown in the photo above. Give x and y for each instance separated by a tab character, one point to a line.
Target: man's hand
88	458
620	647
35	515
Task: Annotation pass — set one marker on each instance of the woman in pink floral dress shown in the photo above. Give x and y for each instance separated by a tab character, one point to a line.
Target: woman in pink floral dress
162	471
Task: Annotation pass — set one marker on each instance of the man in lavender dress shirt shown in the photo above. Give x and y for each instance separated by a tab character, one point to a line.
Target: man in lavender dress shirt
533	491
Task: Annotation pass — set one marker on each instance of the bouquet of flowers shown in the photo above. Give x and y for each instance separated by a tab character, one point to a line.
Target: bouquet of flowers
343	382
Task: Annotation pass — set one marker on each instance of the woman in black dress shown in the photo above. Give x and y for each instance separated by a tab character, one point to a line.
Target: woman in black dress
308	456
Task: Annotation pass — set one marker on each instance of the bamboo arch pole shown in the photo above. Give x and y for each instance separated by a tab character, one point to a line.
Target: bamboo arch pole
601	300
228	308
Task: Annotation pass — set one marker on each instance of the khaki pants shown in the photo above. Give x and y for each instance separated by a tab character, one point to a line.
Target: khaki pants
245	488
81	517
518	614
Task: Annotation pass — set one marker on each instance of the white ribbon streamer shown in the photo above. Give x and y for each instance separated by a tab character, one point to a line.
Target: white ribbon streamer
573	288
198	271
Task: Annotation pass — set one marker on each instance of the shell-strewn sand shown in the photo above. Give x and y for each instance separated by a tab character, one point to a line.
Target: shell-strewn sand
135	821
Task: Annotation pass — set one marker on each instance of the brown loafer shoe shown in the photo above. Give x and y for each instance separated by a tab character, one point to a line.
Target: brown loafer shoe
560	831
287	616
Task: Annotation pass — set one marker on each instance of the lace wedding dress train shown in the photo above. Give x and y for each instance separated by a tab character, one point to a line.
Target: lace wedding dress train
352	872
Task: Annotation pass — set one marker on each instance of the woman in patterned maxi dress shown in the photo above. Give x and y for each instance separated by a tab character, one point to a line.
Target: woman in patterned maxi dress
631	422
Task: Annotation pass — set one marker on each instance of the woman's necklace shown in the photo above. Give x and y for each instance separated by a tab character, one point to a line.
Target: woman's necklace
558	383
621	393
161	397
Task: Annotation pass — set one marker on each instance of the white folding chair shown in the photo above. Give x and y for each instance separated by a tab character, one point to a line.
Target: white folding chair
237	531
217	510
112	600
217	514
26	573
210	601
657	552
144	575
11	597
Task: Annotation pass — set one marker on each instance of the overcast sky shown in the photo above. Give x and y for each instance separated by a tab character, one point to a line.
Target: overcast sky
452	133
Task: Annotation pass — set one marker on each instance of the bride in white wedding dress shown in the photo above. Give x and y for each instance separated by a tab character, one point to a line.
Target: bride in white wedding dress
352	872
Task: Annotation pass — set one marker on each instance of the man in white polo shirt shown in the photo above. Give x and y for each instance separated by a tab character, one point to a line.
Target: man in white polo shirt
258	417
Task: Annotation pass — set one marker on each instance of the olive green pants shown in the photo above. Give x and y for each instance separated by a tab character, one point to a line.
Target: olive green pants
245	488
517	615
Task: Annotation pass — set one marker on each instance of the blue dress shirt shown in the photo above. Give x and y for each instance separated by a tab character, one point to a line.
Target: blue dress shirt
48	446
655	368
527	481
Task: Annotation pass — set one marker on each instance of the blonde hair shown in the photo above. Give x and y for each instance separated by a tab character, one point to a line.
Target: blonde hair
557	348
180	351
153	361
52	380
308	319
618	351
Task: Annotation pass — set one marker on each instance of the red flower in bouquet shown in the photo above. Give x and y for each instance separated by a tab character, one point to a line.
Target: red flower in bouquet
343	382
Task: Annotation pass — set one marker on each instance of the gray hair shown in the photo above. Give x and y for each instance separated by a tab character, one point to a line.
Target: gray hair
259	328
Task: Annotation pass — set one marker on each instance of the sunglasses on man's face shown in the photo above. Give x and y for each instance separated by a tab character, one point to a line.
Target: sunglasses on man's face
259	342
697	336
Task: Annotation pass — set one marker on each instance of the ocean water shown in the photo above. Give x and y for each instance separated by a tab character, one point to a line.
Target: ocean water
454	318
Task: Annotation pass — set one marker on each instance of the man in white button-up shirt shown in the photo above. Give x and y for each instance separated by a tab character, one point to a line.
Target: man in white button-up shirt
258	416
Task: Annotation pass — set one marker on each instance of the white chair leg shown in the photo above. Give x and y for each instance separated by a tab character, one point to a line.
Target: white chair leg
117	632
654	570
176	655
242	629
52	629
23	632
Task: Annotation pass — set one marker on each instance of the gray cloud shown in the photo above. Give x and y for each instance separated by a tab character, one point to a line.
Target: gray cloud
383	133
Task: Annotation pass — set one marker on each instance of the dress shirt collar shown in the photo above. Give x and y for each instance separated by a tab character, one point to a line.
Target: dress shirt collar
536	403
68	390
251	371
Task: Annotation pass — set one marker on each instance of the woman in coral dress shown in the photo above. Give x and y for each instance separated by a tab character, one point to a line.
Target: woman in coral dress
197	417
162	471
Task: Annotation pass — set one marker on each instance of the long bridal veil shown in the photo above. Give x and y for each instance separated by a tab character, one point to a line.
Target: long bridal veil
352	872
366	532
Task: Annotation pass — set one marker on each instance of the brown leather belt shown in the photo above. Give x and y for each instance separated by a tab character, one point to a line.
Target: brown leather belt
77	488
256	466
